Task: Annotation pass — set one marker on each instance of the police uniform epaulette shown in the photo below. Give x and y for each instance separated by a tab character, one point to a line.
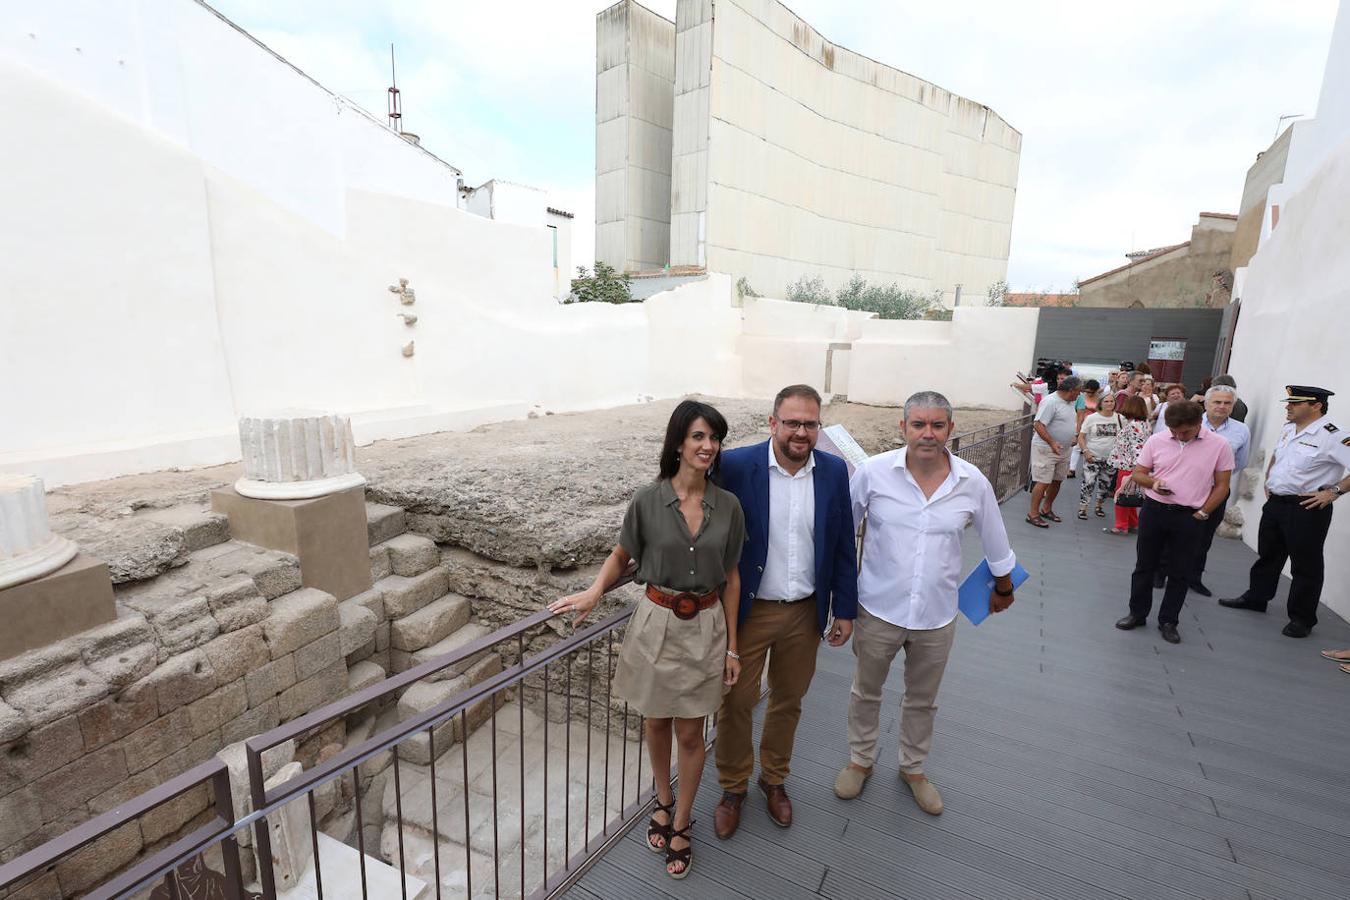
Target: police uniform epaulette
1331	429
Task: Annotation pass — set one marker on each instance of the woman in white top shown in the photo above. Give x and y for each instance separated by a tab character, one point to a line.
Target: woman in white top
1096	440
1149	391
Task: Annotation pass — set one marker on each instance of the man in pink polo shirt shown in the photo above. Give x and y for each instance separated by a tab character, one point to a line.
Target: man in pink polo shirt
1185	472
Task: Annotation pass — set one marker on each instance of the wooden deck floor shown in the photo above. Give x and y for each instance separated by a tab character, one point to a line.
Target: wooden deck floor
1076	761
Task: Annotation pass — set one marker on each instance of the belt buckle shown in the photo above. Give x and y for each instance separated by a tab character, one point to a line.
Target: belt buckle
684	606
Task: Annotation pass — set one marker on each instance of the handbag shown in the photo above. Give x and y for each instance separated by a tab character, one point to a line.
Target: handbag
1130	495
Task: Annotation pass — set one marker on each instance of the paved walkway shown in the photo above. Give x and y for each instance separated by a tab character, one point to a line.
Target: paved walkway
1076	761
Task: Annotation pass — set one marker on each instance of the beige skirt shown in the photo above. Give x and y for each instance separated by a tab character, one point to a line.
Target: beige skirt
670	667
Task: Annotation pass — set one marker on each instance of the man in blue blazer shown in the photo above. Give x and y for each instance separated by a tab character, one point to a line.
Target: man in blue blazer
798	565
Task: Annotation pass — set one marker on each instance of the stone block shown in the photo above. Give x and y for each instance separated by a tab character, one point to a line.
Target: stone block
270	680
36	663
90	865
117	716
200	528
412	554
74	784
404	596
237	603
127	666
13	725
372	600
276	576
235	758
299	618
290	835
364	675
427	695
361	654
167	820
236	654
327	534
314	692
357	624
451	644
182	679
156	741
252	723
382	637
20	816
430	624
130	631
379	563
38	752
317	656
183	624
57	693
45	887
76	597
217	709
384	522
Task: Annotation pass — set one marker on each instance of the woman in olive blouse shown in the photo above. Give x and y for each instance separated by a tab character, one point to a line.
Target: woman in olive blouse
679	650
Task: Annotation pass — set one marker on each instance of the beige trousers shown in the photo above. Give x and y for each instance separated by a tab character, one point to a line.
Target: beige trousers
875	643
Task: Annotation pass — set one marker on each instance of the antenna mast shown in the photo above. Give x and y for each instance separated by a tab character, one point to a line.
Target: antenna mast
395	104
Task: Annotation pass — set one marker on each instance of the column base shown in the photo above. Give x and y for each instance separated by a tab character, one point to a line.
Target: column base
327	533
76	597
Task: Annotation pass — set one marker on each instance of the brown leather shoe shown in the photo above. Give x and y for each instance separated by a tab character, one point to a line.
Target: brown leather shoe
727	815
780	807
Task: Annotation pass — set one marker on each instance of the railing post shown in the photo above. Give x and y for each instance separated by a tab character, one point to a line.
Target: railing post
262	834
956	445
998	458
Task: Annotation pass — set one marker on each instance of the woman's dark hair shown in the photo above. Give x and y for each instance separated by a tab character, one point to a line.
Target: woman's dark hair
681	420
1092	385
1133	408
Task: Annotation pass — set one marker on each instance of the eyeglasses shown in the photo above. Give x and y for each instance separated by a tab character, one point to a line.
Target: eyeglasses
797	424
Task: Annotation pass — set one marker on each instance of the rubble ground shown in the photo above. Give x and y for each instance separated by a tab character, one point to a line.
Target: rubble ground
546	492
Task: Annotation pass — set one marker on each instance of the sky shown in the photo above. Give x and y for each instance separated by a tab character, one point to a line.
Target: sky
1134	117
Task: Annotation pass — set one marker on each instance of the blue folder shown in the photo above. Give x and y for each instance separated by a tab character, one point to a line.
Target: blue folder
973	596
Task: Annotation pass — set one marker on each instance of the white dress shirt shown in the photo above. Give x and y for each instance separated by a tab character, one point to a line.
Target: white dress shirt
1309	459
1238	436
790	566
911	560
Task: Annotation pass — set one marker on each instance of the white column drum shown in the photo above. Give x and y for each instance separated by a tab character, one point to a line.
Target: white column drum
297	455
28	549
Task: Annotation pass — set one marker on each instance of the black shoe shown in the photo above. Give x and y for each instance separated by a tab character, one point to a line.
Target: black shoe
1169	632
1296	630
1130	621
1159	582
1243	603
1200	589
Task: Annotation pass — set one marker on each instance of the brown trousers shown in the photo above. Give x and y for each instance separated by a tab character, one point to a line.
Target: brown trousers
789	630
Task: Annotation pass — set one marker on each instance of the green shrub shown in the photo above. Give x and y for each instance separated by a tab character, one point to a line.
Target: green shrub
889	301
810	289
606	286
743	288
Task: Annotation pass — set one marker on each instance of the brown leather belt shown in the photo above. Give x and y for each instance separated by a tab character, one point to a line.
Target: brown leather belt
685	605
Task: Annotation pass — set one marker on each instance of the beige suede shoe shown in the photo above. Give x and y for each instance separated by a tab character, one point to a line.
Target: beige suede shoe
850	781
927	796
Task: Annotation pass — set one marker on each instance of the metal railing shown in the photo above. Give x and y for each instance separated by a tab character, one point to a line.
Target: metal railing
478	793
527	826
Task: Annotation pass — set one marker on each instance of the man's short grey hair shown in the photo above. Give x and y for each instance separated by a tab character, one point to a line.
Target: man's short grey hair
928	400
1072	383
1224	381
1220	389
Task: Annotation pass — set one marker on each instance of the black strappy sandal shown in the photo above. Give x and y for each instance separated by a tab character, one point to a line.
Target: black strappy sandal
655	829
685	856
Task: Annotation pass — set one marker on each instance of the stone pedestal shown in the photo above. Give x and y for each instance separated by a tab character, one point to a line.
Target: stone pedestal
48	590
327	533
297	455
28	549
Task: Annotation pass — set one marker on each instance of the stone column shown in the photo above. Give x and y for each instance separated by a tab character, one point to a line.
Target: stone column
297	456
28	549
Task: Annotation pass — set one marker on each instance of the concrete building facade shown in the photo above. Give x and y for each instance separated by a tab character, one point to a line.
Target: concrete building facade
792	156
1194	274
1266	172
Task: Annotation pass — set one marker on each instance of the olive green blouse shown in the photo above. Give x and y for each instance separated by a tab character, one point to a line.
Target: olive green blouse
656	534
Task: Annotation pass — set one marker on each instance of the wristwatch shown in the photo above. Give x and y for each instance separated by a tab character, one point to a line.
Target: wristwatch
1007	593
1204	516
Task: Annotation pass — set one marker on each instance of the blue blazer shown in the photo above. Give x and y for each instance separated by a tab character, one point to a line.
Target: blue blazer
745	472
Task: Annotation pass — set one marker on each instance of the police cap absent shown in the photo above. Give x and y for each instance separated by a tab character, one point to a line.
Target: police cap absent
1302	393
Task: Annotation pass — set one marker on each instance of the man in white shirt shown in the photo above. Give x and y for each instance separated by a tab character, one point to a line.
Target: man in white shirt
1054	430
917	502
1307	473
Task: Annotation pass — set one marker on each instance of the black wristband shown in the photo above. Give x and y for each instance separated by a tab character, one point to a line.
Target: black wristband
1007	593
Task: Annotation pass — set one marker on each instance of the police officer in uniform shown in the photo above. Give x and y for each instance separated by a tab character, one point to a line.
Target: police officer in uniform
1307	473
